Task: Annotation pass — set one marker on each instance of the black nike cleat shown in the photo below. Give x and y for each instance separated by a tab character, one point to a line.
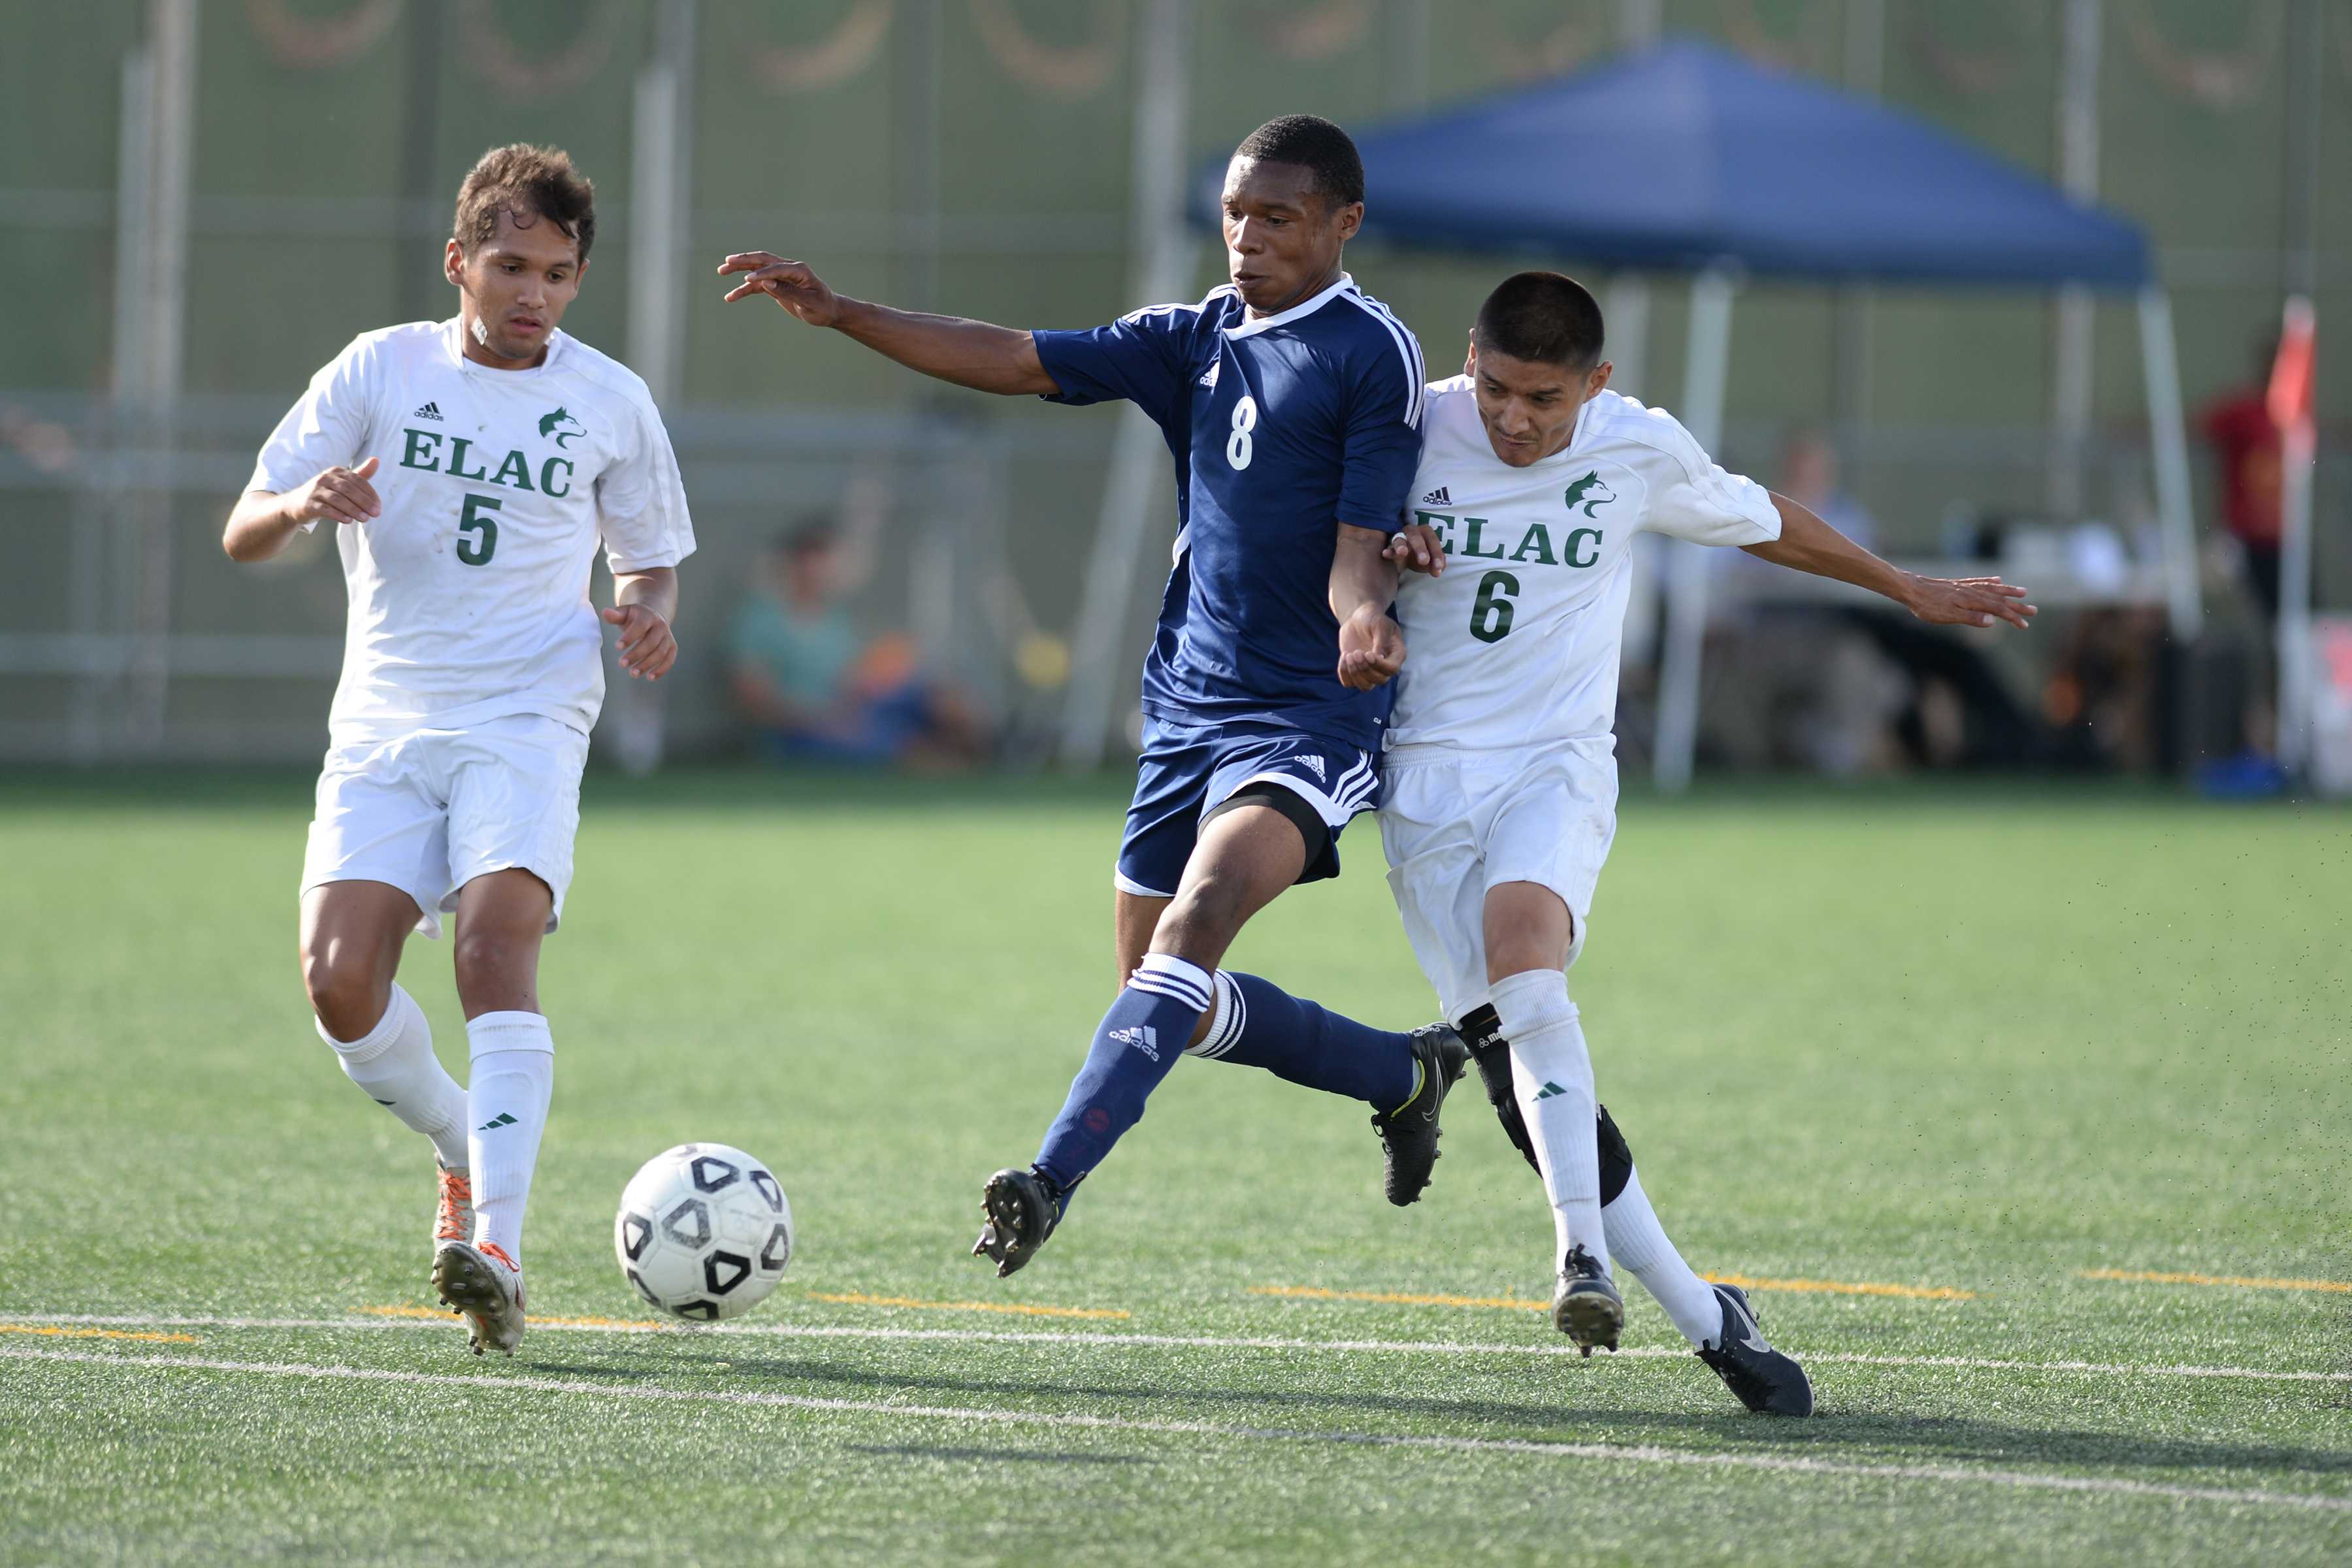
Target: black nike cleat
1409	1133
1767	1382
1022	1208
1585	1305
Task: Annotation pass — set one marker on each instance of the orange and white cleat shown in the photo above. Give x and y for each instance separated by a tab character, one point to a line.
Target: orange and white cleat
480	1281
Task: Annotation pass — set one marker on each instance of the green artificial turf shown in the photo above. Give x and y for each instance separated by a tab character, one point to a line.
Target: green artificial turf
1977	1045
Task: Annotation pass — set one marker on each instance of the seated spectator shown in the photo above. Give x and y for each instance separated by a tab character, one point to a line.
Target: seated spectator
1796	684
815	689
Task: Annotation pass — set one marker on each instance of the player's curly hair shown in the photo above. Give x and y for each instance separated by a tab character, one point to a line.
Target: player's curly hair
1547	317
531	183
1315	143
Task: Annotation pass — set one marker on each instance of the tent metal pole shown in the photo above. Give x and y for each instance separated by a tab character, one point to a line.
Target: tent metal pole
161	245
1702	416
1162	272
2169	435
2077	314
661	208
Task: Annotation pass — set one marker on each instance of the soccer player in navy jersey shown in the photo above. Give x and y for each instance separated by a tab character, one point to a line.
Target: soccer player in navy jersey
1291	401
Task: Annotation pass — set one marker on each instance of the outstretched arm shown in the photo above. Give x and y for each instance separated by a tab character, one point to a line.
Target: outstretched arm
968	353
1809	544
1363	586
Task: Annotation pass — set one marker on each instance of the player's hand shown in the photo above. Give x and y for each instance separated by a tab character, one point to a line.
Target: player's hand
1415	548
1968	602
337	495
1371	648
791	284
647	648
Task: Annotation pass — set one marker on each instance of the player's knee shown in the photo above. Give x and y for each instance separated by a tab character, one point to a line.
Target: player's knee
345	990
1209	911
488	960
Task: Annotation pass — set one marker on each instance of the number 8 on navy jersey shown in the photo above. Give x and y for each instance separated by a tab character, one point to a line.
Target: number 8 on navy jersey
1238	445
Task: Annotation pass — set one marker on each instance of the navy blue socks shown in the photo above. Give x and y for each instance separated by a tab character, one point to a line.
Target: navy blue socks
1260	1025
1138	1041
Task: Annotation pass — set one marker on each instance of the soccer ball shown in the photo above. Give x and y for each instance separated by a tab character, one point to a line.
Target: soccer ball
704	1232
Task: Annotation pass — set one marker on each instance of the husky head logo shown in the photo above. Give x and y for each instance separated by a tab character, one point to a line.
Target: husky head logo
563	426
1589	492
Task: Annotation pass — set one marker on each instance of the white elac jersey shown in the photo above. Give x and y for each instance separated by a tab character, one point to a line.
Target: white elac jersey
1516	645
469	597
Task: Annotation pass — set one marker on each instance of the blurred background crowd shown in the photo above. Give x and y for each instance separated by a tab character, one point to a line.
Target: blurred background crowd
201	201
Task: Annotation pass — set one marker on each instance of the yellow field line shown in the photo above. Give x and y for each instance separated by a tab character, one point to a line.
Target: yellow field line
852	1299
1017	1309
1842	1287
57	1331
2149	1277
1514	1304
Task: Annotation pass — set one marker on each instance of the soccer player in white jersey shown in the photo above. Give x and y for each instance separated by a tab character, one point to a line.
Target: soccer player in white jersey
1500	774
470	468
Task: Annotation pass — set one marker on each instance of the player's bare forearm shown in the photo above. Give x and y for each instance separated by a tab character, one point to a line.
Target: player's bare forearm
1363	586
655	588
1808	544
1361	572
263	520
969	353
259	527
977	354
644	605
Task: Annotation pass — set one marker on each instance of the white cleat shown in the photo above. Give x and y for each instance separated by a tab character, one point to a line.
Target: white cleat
483	1283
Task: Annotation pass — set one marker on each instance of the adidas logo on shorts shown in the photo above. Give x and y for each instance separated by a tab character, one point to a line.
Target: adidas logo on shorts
430	411
1437	498
1315	765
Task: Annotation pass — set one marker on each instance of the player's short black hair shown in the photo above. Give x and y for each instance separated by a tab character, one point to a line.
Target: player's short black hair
1548	317
1315	143
532	182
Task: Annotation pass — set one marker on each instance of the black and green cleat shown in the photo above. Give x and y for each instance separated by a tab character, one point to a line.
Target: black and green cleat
1585	1305
1767	1381
1409	1133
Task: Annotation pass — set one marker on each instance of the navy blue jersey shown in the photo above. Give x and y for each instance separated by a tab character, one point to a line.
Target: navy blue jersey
1282	427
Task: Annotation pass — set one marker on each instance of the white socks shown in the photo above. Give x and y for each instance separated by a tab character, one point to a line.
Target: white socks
395	1064
1638	1242
505	1110
1552	1075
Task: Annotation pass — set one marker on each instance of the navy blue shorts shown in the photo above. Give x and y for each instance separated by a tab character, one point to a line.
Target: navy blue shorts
1188	770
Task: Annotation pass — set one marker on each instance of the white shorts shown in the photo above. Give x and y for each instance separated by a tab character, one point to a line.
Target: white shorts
1457	824
432	810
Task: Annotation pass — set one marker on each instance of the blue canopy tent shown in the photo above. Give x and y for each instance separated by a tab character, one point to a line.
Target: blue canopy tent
1685	158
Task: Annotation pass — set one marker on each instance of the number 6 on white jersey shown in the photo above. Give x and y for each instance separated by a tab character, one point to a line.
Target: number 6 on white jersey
1238	445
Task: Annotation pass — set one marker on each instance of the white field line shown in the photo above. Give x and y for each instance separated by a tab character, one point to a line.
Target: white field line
1166	1342
1640	1454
